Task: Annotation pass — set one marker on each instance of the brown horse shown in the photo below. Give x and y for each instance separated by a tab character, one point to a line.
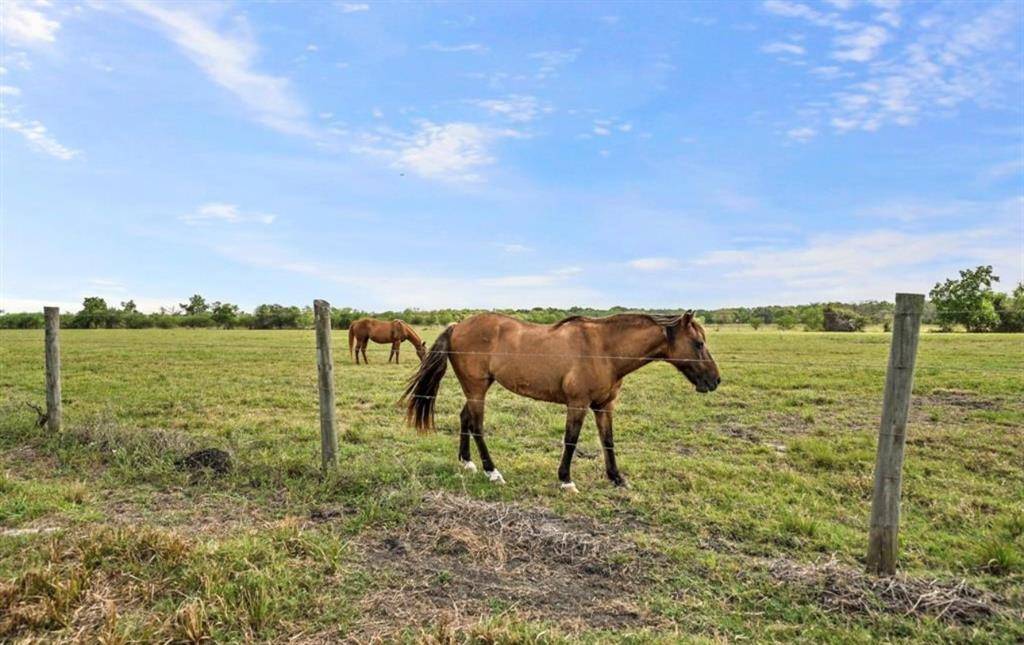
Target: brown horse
579	362
362	331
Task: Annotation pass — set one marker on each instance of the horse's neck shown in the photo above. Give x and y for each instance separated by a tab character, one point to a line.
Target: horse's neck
635	347
411	335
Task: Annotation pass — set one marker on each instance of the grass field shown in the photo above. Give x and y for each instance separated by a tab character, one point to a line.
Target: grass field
745	519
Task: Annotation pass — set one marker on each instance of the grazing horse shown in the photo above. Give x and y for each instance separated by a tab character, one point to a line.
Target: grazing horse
579	362
362	331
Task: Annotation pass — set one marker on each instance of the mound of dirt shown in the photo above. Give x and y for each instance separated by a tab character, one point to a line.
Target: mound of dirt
458	557
851	590
216	460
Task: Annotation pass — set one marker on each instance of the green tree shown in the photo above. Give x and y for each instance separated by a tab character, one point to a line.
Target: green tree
195	305
786	320
225	314
968	301
129	307
1010	309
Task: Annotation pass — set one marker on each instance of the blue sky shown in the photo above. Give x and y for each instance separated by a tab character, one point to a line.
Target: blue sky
426	155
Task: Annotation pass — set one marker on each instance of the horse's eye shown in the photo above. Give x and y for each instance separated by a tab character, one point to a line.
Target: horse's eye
698	344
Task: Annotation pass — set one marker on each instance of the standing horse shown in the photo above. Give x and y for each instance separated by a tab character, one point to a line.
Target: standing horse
579	362
362	331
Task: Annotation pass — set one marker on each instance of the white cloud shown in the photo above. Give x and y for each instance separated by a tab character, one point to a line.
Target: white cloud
551	61
535	280
452	152
797	10
37	136
861	46
601	131
945	60
229	60
25	24
224	213
653	264
515	107
802	135
862	265
475	48
353	7
515	249
783	48
9	90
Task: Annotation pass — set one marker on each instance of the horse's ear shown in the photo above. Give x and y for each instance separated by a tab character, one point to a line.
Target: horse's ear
687	319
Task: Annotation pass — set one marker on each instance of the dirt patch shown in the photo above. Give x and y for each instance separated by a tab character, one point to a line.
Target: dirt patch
740	432
958	399
465	558
848	589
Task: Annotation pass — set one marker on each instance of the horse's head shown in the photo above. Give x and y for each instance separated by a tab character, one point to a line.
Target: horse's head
688	352
421	350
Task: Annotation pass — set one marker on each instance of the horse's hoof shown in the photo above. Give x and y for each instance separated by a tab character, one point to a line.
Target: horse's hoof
620	482
495	477
469	465
569	487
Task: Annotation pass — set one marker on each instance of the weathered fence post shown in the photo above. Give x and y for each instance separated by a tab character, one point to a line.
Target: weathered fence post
325	369
899	380
53	407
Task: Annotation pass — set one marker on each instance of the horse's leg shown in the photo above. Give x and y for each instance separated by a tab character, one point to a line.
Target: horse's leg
398	348
357	350
475	405
603	417
466	419
573	422
365	343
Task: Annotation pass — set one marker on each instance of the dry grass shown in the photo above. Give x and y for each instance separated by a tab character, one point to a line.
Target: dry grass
848	589
459	557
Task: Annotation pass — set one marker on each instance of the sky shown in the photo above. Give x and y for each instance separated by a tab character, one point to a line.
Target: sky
385	155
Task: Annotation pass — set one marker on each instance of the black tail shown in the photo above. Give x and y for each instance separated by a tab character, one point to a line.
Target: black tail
421	393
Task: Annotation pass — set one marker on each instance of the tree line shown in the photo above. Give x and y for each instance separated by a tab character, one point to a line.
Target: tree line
969	302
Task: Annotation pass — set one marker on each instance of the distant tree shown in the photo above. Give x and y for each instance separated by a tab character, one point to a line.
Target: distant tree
786	320
1010	309
195	305
755	323
129	307
94	314
812	317
968	301
224	314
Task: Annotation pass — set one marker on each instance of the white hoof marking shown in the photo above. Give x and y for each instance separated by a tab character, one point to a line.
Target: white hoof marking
495	477
469	465
570	488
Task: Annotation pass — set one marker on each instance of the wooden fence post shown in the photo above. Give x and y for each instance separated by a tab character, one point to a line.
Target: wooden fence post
53	406
325	369
899	381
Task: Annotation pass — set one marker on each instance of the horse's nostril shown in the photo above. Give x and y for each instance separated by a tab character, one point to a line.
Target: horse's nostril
718	381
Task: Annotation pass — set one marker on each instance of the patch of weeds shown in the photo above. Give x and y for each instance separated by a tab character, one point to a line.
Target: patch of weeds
998	556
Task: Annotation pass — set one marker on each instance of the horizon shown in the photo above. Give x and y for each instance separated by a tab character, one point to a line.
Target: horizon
385	157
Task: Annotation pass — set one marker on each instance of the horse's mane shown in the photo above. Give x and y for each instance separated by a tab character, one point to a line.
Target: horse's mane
658	319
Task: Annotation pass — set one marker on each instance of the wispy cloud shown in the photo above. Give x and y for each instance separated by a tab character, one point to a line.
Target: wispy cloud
475	48
862	265
532	280
451	152
801	135
653	264
37	136
515	107
943	61
26	23
353	7
514	249
783	48
220	212
551	61
229	59
860	46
